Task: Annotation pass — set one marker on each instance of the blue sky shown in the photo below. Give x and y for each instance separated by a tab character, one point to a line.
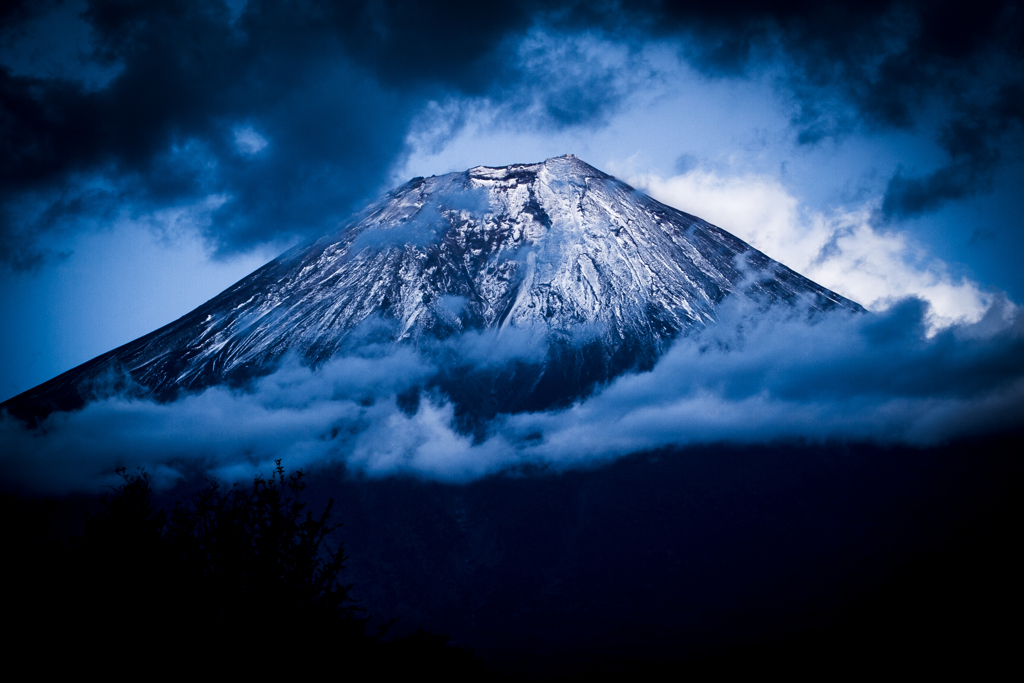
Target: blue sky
156	152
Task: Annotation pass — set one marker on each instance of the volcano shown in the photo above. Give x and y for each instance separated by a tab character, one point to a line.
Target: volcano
560	553
603	275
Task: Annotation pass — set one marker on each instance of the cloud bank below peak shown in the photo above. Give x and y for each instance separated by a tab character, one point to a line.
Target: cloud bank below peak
752	378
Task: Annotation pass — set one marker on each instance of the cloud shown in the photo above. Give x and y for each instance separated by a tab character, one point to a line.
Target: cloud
844	251
896	64
326	91
873	378
567	79
973	143
49	40
248	141
495	348
163	133
302	416
951	71
145	99
751	378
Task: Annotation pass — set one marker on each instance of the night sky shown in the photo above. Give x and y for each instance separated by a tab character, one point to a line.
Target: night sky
153	153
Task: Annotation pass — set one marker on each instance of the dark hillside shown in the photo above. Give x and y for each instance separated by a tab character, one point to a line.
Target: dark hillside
795	558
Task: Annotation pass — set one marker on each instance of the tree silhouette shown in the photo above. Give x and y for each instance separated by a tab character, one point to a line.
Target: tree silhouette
259	549
244	576
225	569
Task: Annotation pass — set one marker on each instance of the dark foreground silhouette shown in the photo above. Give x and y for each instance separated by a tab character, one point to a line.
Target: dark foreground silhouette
813	561
244	578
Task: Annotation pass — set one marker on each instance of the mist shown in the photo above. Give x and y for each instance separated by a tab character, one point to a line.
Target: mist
754	377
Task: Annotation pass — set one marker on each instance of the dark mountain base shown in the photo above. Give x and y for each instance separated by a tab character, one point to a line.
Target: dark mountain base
716	556
808	560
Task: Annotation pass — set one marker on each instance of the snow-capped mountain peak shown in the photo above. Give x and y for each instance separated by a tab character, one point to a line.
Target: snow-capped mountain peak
602	272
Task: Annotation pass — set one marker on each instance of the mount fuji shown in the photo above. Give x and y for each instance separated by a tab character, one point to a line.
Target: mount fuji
735	503
600	275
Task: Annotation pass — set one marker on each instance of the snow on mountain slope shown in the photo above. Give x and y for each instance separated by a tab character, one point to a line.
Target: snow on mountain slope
604	274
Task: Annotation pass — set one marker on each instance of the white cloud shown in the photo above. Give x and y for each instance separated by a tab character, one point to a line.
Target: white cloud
248	141
842	251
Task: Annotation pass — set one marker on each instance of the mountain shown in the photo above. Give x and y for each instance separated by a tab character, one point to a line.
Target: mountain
558	251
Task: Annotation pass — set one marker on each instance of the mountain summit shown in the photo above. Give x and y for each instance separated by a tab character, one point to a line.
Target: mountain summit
560	251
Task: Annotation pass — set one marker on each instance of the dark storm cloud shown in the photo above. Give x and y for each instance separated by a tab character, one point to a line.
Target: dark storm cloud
974	143
164	131
328	89
294	112
886	56
881	64
754	377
